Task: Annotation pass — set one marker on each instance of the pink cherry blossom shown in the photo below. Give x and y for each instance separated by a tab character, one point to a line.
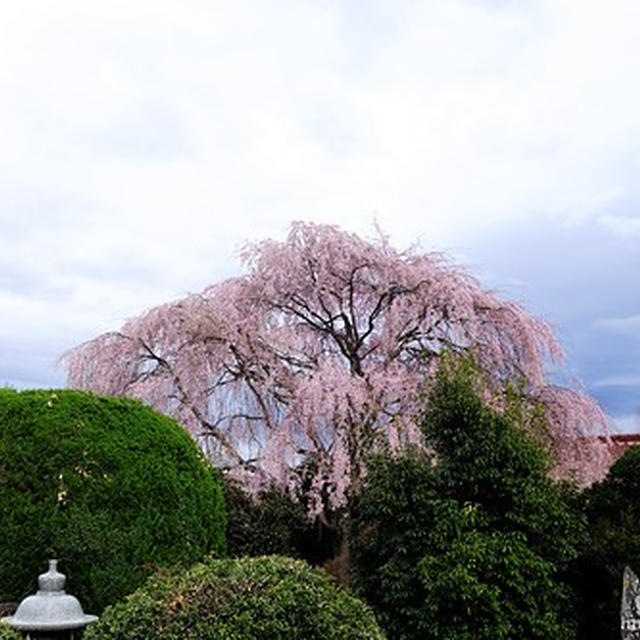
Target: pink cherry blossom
322	353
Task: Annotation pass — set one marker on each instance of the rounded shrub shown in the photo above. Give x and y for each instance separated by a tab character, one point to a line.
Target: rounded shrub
269	597
108	486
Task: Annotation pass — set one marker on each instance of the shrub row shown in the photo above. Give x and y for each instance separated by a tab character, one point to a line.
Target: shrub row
471	541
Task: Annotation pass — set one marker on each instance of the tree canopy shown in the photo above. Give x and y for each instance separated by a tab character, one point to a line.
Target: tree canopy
612	507
470	541
321	353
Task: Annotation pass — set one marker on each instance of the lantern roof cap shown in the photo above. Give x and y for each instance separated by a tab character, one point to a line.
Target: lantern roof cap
51	608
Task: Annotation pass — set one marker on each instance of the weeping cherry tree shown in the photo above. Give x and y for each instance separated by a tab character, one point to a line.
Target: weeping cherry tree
322	353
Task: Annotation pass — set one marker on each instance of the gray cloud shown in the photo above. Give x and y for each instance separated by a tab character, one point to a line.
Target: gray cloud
23	366
628	326
632	380
575	276
140	147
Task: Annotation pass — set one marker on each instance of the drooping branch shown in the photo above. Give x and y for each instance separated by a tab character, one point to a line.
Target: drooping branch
322	352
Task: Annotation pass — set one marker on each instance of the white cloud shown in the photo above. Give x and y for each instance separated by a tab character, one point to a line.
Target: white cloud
621	226
141	142
632	380
627	326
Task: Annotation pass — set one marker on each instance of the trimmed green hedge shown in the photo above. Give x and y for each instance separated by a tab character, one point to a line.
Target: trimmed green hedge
269	598
108	486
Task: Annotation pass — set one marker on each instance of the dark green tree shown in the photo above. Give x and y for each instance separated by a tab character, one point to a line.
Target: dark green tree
271	522
613	513
471	541
274	522
108	486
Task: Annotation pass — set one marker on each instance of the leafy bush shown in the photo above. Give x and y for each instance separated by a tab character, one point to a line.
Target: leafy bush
273	522
269	523
613	513
7	633
106	485
268	598
471	542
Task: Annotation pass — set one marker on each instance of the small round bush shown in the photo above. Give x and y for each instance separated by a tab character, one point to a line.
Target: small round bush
108	486
269	598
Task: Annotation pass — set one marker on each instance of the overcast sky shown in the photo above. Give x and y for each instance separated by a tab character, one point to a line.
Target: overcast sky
142	142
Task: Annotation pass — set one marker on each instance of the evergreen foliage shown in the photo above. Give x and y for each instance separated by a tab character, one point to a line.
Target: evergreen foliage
270	522
239	599
273	522
7	633
106	485
470	542
613	513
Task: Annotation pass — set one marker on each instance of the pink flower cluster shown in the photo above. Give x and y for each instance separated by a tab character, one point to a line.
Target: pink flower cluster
322	354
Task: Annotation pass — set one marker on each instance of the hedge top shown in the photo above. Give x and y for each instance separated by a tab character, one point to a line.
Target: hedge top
107	485
269	597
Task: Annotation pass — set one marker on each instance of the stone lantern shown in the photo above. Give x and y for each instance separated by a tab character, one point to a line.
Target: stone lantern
50	614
